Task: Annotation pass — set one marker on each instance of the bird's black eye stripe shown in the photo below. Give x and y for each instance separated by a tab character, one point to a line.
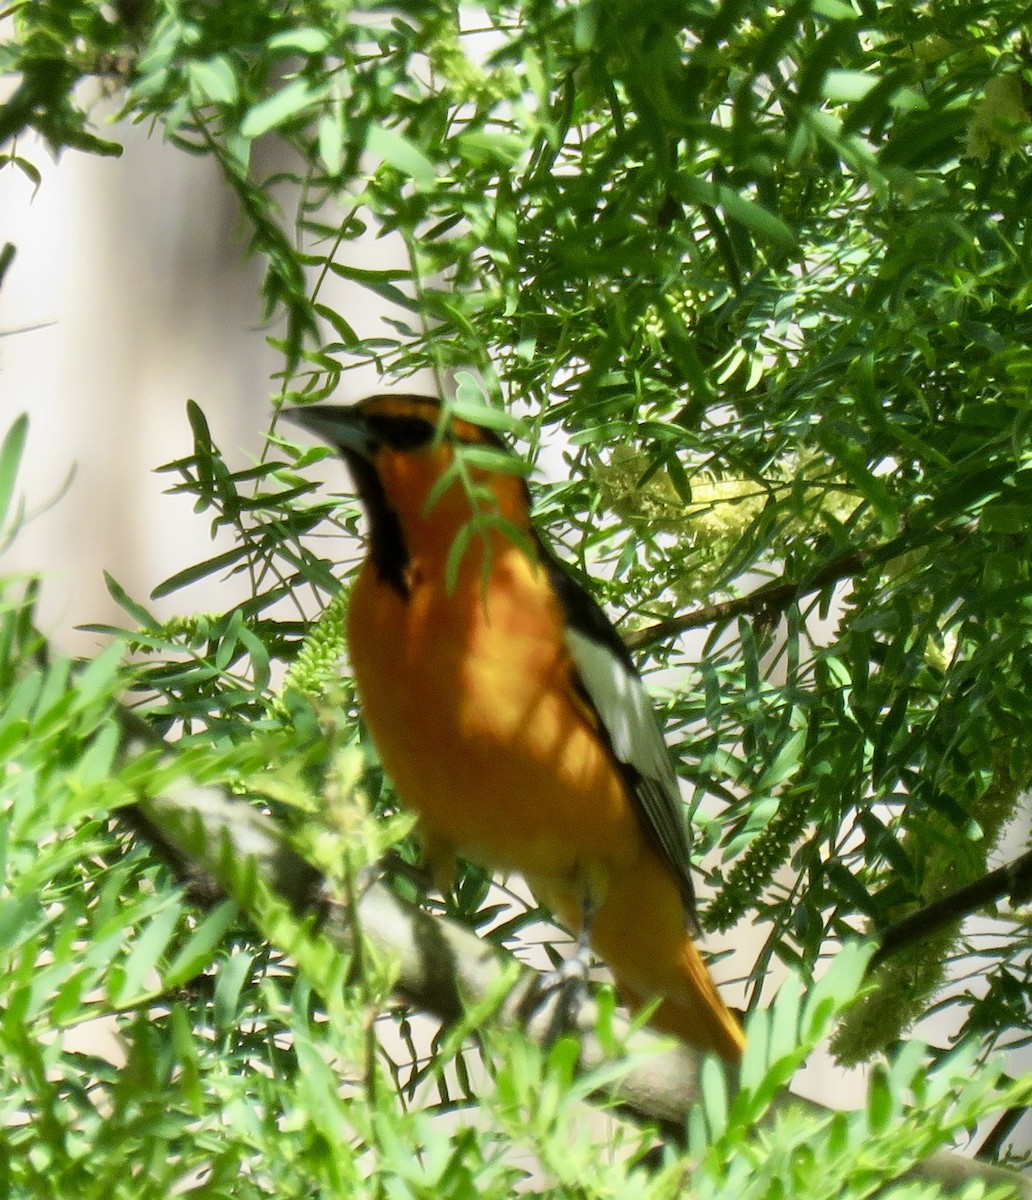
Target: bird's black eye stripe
402	433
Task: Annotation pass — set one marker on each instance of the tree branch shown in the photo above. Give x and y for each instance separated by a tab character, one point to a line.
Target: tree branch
774	597
1014	879
444	968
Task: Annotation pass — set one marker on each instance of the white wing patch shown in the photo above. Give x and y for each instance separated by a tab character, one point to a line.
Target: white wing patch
625	709
626	712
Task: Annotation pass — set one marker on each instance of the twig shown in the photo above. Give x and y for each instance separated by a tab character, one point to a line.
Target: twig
776	596
999	1133
1014	879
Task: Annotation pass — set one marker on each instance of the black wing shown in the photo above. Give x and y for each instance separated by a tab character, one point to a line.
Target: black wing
611	684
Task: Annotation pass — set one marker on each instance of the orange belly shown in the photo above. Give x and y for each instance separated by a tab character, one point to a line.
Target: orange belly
470	700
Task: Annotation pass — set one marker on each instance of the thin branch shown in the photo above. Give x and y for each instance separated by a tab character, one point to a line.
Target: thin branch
999	1133
773	598
1014	880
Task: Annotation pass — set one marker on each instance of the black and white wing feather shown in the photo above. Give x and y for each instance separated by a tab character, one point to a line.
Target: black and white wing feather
611	684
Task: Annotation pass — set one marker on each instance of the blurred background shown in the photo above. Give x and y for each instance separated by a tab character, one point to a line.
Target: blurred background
131	292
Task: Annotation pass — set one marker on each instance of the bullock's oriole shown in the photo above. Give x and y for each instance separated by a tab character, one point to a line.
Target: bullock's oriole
508	712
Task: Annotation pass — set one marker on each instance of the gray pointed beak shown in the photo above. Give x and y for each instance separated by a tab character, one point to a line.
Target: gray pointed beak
341	426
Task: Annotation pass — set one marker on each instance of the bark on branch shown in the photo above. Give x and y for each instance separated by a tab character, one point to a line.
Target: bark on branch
442	967
774	597
1013	880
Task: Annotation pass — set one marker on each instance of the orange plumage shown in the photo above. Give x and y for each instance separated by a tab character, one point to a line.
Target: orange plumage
487	705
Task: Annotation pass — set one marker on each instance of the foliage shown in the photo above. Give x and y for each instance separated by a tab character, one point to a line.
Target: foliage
763	272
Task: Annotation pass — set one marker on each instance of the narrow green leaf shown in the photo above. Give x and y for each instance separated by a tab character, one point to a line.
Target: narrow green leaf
124	601
471	404
785	762
199	426
213	80
852	892
834	10
853	461
97	762
455	552
756	1057
487	458
755	217
396	149
331	142
300	41
283	106
233	973
844	86
838	985
99	675
12	735
143	956
227	647
784	1020
10	460
880	1104
16	916
484	147
197	952
340	327
8	250
713	1087
199	570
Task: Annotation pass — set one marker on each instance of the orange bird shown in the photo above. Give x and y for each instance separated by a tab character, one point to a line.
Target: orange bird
508	712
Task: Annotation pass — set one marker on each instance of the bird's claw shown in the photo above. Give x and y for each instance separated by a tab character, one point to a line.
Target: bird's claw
559	995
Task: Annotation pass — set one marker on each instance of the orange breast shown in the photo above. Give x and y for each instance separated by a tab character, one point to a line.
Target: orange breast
470	700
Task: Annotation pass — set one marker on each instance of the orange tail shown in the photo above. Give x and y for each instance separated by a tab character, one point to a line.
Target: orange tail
639	929
693	1012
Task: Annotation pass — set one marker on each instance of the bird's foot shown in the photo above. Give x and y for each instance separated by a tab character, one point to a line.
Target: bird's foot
559	995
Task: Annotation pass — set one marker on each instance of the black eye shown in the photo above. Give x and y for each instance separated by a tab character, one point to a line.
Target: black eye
402	433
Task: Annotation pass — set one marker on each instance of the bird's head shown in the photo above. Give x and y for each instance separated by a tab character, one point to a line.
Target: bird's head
418	463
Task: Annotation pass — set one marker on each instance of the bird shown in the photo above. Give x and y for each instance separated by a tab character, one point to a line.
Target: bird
506	709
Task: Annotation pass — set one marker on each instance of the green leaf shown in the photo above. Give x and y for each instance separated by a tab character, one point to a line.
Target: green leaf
97	762
8	251
331	142
233	973
99	676
785	763
836	988
754	216
485	147
396	149
144	954
713	1086
213	80
853	461
283	106
487	458
339	325
834	10
10	460
121	597
197	952
844	86
300	41
198	571
471	404
784	1018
